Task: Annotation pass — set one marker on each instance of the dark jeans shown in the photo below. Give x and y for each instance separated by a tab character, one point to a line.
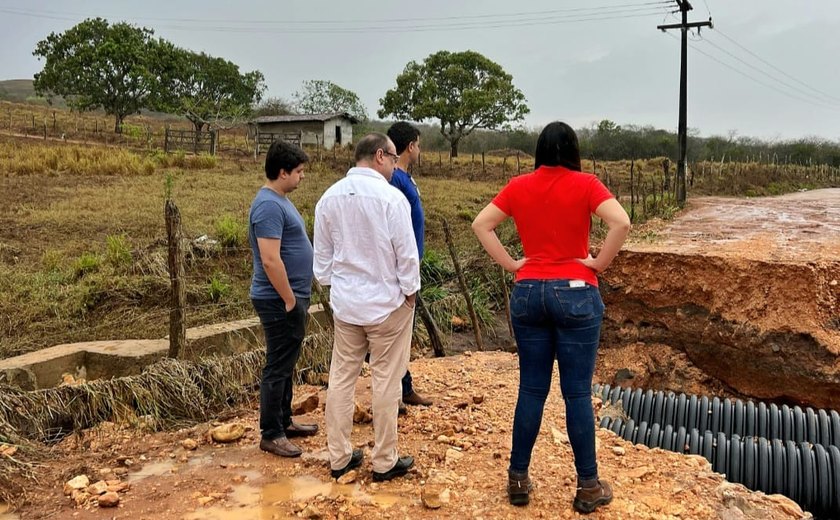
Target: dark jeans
284	334
554	321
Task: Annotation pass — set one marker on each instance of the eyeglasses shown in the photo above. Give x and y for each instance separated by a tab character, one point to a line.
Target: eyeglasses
389	154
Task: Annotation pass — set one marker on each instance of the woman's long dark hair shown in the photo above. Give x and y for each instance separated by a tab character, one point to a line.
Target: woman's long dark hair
558	146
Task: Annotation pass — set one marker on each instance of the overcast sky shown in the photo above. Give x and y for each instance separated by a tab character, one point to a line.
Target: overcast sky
575	60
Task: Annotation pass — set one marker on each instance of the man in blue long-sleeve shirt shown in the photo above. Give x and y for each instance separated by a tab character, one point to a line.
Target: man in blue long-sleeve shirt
406	138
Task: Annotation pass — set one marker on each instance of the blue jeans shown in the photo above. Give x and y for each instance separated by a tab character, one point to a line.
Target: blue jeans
284	333
552	320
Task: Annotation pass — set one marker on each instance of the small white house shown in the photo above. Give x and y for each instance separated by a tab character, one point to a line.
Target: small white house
327	130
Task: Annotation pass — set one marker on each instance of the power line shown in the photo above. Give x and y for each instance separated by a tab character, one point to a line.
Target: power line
751	78
788	85
468	25
504	16
421	29
794	78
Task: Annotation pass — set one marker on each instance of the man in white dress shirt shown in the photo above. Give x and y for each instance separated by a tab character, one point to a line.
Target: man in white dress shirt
366	252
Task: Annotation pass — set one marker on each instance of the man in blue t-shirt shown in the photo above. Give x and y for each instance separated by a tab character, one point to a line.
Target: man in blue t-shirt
280	292
406	138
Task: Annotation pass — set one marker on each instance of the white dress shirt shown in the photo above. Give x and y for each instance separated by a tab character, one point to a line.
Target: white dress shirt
365	247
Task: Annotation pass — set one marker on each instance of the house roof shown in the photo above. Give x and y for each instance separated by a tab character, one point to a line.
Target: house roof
304	118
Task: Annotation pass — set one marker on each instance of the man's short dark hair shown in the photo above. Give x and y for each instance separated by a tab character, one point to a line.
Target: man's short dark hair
369	144
283	156
403	134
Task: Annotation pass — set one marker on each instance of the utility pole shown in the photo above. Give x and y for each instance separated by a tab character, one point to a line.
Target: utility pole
685	7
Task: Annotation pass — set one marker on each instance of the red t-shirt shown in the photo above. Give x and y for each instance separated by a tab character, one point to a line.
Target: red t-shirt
551	208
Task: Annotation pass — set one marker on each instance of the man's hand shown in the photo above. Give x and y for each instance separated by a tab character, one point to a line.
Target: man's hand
290	305
411	299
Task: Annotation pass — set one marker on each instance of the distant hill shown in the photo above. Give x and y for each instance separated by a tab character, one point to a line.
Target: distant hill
22	91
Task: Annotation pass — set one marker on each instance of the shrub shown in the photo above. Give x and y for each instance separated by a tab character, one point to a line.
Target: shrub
231	231
87	263
218	287
118	250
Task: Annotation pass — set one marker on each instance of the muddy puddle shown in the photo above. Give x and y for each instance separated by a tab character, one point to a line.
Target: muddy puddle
276	500
163	467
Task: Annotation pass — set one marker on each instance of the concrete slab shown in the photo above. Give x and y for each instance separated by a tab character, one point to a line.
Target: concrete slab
91	360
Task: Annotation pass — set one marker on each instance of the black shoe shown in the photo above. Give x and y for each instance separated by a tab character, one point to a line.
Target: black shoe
355	461
519	488
301	430
402	410
400	468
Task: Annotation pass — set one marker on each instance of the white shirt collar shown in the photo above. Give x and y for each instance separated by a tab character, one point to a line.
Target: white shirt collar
366	172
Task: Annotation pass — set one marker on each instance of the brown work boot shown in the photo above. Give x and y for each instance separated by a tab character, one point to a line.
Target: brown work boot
519	488
592	494
415	399
280	446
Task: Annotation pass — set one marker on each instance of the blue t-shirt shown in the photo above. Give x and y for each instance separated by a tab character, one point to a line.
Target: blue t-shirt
274	216
403	181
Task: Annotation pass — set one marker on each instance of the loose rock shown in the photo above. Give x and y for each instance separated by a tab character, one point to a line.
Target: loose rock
109	499
227	432
189	444
78	482
305	404
348	478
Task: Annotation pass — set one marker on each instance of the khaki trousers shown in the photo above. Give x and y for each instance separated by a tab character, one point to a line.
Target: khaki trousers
389	344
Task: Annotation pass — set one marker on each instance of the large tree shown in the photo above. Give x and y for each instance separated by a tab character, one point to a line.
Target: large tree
463	90
98	65
319	96
207	90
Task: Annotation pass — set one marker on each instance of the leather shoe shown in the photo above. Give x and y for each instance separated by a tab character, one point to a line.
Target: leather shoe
355	461
590	497
400	468
280	446
402	410
415	399
301	430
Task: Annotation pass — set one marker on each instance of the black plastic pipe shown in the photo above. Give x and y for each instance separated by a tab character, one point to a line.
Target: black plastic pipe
726	416
764	447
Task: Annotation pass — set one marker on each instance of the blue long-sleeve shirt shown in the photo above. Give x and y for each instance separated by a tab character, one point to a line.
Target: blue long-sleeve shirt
402	181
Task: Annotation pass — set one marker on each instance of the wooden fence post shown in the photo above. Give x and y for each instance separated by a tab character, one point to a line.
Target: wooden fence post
431	328
483	171
632	192
178	294
463	283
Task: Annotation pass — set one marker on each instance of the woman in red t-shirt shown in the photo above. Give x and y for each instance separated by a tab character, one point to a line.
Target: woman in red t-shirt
555	306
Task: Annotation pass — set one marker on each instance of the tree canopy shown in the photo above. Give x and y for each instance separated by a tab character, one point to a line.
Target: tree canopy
208	90
462	90
122	69
98	65
318	96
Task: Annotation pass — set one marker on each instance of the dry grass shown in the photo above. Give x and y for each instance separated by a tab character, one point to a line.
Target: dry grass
139	131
